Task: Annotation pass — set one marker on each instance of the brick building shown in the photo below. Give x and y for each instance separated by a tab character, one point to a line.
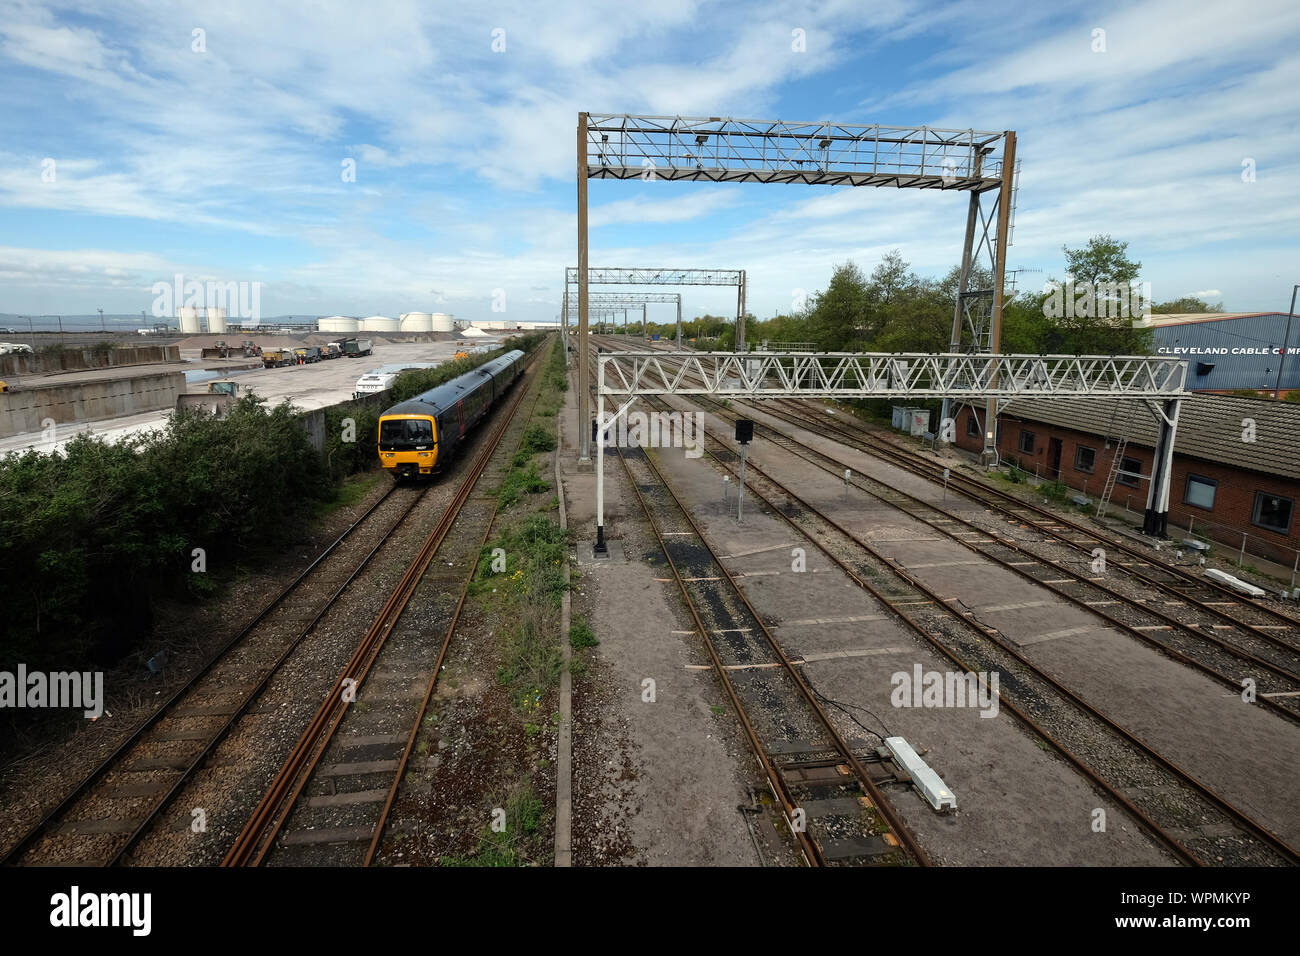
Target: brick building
1229	475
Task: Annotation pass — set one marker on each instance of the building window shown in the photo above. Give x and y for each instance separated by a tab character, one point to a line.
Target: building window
1272	512
972	426
1085	458
1129	470
1026	442
1200	492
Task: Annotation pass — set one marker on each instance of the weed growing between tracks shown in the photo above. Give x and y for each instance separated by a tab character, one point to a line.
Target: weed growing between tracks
519	844
516	594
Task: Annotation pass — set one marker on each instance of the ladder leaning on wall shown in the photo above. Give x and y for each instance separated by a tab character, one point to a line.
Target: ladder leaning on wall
1116	459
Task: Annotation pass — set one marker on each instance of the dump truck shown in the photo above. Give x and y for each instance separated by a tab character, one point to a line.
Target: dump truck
356	348
278	358
218	400
306	354
331	351
220	350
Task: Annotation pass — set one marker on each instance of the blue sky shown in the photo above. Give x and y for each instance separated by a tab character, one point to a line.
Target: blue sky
225	164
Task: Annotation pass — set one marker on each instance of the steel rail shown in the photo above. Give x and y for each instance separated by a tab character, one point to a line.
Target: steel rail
254	841
1246	823
119	753
903	834
1077	578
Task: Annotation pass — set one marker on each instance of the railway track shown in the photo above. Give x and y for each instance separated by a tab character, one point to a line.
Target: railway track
1205	625
1193	826
112	808
331	799
1185	632
828	788
1263	623
830	798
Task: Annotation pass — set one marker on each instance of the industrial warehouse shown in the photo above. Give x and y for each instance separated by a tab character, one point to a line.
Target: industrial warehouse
1233	351
585	440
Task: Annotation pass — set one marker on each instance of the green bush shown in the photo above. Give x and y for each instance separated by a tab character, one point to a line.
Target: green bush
538	438
581	635
91	535
519	482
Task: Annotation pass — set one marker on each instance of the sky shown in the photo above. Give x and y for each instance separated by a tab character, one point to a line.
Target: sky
141	140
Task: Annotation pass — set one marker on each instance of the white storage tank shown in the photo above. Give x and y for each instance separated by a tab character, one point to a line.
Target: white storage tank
442	322
339	323
416	322
189	318
217	320
378	323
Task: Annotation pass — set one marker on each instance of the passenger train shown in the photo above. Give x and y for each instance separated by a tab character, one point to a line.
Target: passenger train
424	433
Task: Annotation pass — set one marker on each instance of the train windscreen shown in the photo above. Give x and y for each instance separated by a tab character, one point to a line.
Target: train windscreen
405	433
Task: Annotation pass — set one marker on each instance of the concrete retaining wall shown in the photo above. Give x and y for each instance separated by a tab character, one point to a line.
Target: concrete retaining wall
24	410
68	360
313	422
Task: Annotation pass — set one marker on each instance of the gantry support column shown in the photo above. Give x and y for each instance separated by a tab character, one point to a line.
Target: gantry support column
1156	520
990	456
679	322
740	313
644	333
584	359
972	213
564	324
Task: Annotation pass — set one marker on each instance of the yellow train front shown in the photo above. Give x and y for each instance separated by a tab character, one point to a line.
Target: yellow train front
421	436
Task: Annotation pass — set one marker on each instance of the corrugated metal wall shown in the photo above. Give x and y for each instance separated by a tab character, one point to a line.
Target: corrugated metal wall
1231	370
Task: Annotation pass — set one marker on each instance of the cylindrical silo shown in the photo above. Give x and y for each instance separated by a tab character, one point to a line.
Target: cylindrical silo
416	322
442	322
378	323
189	317
339	323
217	320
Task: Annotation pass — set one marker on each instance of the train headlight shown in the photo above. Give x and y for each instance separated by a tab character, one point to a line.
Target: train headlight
388	455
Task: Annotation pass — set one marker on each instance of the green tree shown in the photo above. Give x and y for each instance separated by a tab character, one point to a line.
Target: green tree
838	315
1186	304
1103	259
1083	315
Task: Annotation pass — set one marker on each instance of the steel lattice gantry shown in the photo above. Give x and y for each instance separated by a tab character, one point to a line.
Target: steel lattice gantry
723	149
619	300
1159	381
633	275
887	375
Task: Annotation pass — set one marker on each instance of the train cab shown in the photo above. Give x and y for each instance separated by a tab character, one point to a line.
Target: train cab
408	444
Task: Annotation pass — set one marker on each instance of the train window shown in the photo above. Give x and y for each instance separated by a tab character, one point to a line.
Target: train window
1085	458
1200	492
1272	511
